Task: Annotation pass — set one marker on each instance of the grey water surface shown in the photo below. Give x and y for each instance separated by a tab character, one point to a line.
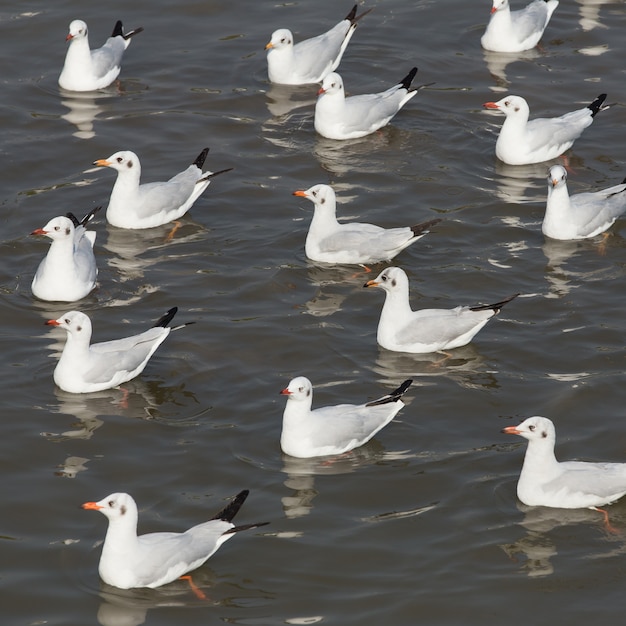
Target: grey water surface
420	526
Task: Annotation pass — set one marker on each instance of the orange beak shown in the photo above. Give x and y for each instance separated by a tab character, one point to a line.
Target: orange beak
510	430
491	105
285	392
555	182
39	231
69	36
91	506
371	283
102	163
300	193
52	323
321	91
269	46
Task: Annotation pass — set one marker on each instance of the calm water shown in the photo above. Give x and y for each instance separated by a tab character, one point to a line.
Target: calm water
421	525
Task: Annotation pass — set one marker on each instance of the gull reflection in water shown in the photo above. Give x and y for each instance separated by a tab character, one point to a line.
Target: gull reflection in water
539	548
301	473
83	110
282	99
497	62
520	184
590	13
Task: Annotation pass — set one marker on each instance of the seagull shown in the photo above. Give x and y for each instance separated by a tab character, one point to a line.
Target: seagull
84	368
522	142
332	429
133	205
329	241
88	70
515	31
155	559
68	272
428	330
569	485
583	215
311	60
338	117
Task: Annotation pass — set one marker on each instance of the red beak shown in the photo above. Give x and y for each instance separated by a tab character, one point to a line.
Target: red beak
52	323
39	231
491	105
510	430
285	392
321	91
69	36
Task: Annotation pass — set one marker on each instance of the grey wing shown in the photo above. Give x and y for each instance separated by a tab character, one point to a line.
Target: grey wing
169	195
316	55
367	110
110	357
108	57
531	19
85	261
593	211
441	325
558	130
340	425
605	480
367	239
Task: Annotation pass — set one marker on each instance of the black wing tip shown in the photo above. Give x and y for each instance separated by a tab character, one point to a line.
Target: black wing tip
236	529
164	320
90	216
74	219
118	29
394	396
350	17
408	79
201	158
424	227
596	105
232	508
496	306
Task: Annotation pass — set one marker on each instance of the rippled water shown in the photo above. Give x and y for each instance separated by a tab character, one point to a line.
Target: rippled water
422	524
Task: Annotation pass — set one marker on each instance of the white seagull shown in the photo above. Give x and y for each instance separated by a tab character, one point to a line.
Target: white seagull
582	215
428	330
84	368
515	31
569	485
329	241
338	117
521	142
133	205
155	559
311	60
332	429
68	272
88	70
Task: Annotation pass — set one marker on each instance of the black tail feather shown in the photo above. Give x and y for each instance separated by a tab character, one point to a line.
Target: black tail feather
231	509
353	17
201	158
164	320
118	31
424	227
408	79
85	219
394	396
596	105
496	306
213	174
237	529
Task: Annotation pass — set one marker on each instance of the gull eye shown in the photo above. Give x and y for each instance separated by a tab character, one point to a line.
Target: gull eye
67	320
111	503
56	228
119	159
314	193
531	428
384	277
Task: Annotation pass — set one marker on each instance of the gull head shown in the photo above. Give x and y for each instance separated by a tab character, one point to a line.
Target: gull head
299	389
74	322
58	229
117	506
320	195
498	5
534	428
391	279
121	161
557	176
281	39
511	105
78	30
331	85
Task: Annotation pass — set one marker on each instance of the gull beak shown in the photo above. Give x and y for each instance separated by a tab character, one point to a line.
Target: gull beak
69	36
371	283
91	506
493	10
102	163
554	182
511	430
491	105
52	323
39	231
285	392
269	46
321	91
300	193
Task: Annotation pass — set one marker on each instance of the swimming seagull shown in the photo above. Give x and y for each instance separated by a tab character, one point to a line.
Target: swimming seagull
427	330
521	142
514	31
68	271
357	242
88	70
84	368
569	485
332	429
338	117
155	559
133	205
312	59
582	215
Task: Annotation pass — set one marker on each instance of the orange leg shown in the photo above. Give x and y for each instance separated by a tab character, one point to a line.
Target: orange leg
607	524
197	591
172	232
